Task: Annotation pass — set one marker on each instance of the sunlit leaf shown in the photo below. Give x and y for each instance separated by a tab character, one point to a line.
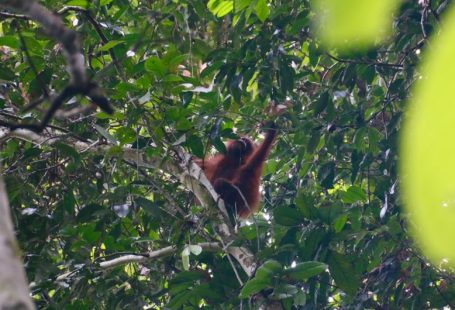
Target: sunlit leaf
80	3
351	23
428	147
156	66
353	194
262	10
220	7
9	41
241	4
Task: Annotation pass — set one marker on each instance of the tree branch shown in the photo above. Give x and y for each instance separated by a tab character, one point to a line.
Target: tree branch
240	254
80	83
131	258
189	174
14	292
371	63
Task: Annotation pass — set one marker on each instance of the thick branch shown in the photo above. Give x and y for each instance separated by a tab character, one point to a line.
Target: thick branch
14	292
190	175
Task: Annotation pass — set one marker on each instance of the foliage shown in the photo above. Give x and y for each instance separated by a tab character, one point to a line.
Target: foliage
427	165
195	74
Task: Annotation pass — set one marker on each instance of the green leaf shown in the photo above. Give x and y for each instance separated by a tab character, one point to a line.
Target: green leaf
89	234
105	134
10	41
353	194
155	65
286	76
220	8
69	202
103	115
110	45
6	74
196	146
174	59
322	103
67	150
350	23
146	205
300	299
305	205
89	212
254	286
287	216
262	10
427	164
299	23
344	273
306	270
239	5
283	291
79	3
314	142
340	222
35	48
178	300
314	54
14	187
125	135
188	277
172	78
268	269
219	145
10	148
326	174
183	124
367	73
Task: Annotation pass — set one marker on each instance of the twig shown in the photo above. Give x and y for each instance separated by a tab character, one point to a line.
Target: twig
371	63
15	16
79	83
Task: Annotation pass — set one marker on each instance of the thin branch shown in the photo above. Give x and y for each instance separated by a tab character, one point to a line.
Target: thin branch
131	258
79	83
15	16
371	63
169	250
89	89
82	109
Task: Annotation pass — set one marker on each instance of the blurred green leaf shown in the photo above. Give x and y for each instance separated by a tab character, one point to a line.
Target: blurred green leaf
305	270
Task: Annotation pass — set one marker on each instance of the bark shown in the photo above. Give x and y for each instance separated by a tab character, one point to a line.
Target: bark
14	291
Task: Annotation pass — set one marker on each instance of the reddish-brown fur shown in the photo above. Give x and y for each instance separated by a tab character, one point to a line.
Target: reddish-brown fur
236	175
